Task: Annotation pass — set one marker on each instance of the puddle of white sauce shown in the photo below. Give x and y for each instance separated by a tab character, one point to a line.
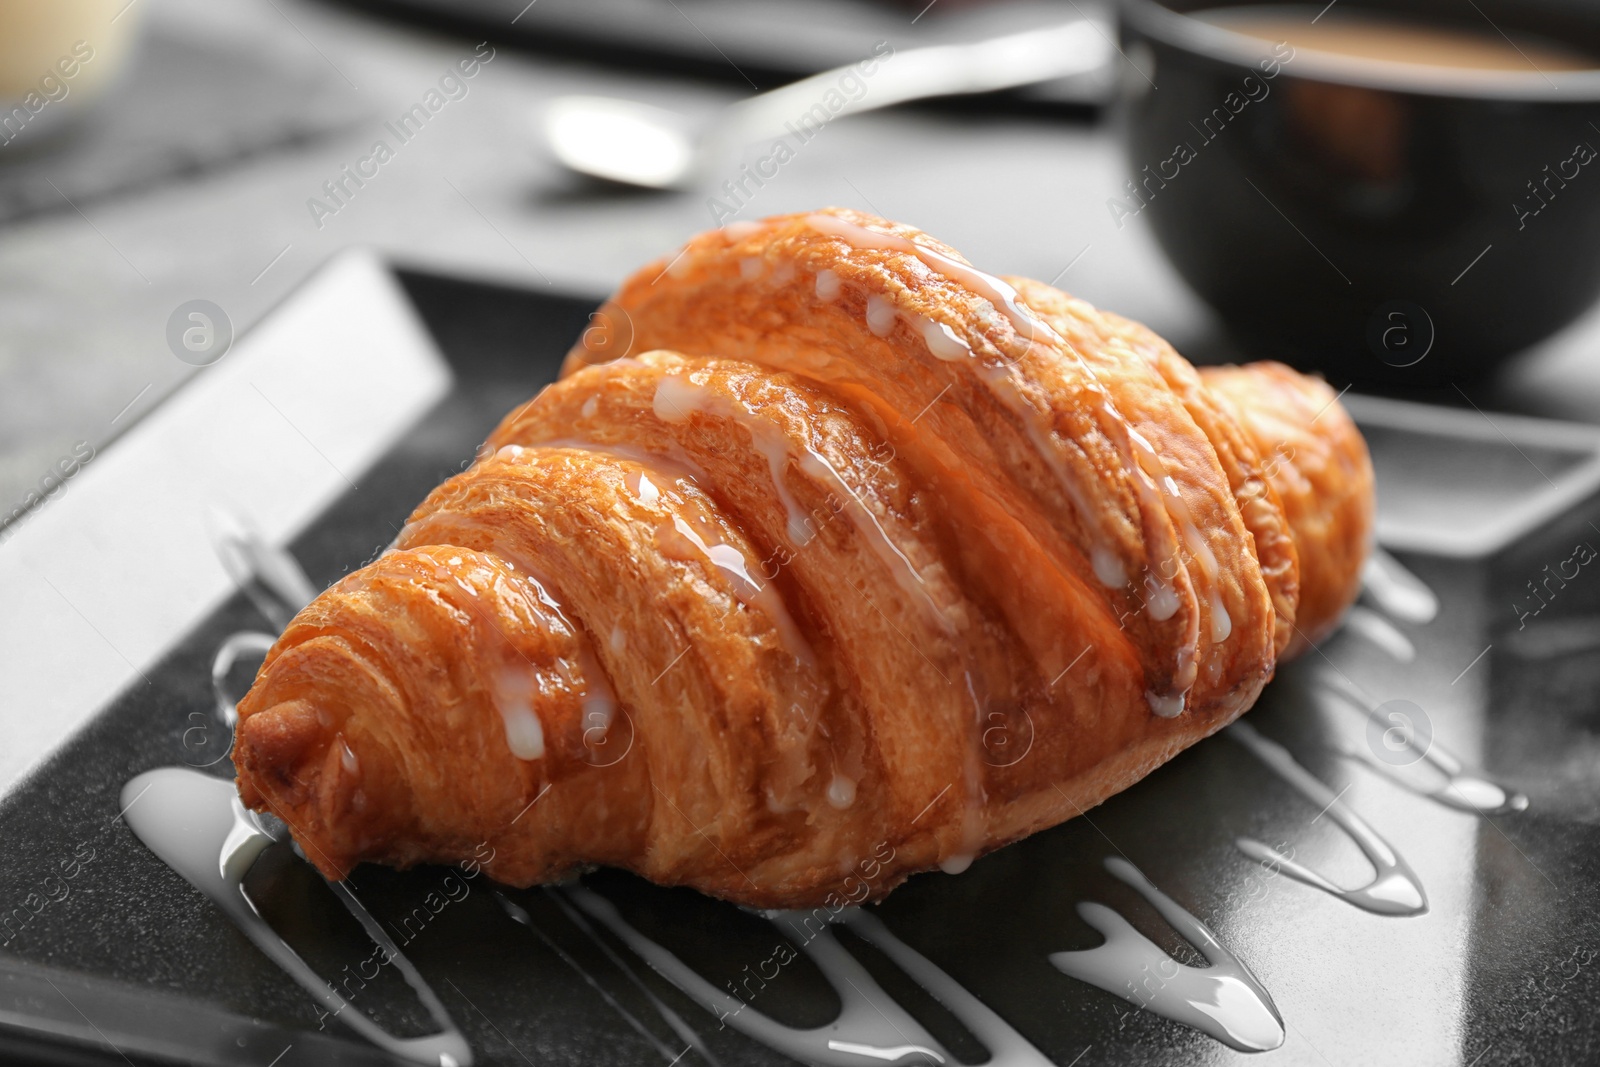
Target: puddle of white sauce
1223	999
1394	890
195	824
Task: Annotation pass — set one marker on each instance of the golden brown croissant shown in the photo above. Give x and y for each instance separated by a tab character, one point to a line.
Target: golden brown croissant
831	560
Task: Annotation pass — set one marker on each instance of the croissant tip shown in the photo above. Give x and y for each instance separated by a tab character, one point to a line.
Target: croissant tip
276	750
282	753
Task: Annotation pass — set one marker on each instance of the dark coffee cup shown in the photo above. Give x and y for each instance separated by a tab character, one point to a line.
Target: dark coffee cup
1373	220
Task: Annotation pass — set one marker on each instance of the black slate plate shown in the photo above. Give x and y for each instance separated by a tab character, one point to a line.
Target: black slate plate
133	965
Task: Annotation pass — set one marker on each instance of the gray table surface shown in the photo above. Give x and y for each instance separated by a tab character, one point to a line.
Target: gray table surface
85	294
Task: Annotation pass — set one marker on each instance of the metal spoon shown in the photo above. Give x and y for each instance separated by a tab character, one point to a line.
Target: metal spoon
637	144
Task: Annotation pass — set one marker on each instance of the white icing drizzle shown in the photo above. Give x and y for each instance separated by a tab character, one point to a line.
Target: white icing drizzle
619	640
227	654
998	293
1198	547
1221	621
1394	890
722	555
842	791
599	702
1381	632
1168	706
1161	599
1158	492
872	1028
1458	787
1396	590
270	576
741	228
1109	569
195	824
726	558
678	396
1003	382
866	523
524	732
733	564
1223	999
669	1055
942	341
974	812
513	696
881	315
599	705
1004	299
671	458
828	285
752	267
956	862
276	584
590	406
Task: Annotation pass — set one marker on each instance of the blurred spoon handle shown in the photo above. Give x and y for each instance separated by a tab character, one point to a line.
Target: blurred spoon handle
942	70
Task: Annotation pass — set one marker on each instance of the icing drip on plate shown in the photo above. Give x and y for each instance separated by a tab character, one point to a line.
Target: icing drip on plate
872	1028
1394	890
1456	786
1396	590
1380	632
195	824
1223	999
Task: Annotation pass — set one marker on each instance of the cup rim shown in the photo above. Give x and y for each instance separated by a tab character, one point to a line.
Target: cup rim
1154	19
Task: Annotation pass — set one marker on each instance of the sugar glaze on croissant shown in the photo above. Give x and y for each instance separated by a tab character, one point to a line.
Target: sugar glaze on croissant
827	547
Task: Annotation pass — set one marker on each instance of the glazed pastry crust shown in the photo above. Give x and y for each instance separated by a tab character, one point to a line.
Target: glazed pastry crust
1319	468
825	549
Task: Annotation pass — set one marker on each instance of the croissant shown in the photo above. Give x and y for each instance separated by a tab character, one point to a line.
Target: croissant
829	559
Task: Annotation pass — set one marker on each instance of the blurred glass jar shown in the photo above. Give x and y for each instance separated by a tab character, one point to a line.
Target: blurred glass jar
56	58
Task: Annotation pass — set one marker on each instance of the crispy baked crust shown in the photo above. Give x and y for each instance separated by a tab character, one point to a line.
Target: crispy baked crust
827	561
